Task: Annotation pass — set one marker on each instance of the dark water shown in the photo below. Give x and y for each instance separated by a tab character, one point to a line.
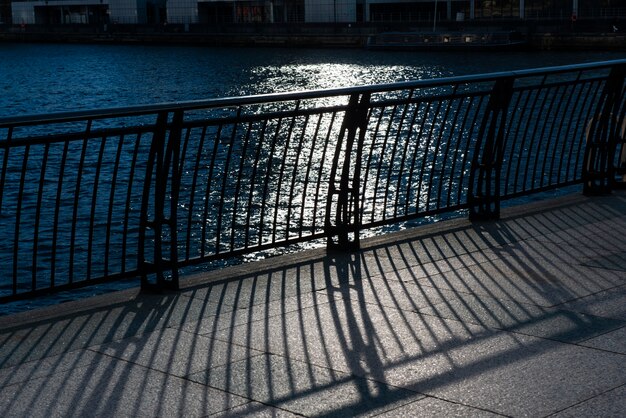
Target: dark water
38	79
43	78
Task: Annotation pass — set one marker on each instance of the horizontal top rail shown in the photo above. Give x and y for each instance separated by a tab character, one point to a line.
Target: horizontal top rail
138	110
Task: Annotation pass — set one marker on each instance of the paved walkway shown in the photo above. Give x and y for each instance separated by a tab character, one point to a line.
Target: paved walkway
521	317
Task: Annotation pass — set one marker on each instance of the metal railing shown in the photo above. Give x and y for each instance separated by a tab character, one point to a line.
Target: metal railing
145	191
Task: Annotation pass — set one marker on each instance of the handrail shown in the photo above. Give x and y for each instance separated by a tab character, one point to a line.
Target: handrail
147	191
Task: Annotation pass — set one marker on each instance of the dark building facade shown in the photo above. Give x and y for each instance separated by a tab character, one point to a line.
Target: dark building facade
226	12
5	11
420	10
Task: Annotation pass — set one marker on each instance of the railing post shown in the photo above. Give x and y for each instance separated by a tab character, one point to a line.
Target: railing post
604	132
484	183
343	213
620	170
163	164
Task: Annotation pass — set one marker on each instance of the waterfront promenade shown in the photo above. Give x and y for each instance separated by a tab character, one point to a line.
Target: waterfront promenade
525	316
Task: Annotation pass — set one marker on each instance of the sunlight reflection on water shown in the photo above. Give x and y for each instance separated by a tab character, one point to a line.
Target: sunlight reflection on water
43	78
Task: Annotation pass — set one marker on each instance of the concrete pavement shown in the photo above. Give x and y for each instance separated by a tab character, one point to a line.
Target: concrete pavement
525	316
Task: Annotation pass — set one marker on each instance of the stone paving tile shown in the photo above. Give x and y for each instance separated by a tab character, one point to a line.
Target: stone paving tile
568	214
551	253
260	312
379	261
610	303
113	388
459	238
305	388
556	324
593	242
392	293
514	375
614	341
613	261
608	404
432	407
255	410
353	336
46	367
507	373
175	351
526	281
57	335
603	234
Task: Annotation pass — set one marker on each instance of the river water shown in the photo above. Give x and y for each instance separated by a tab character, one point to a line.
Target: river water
45	78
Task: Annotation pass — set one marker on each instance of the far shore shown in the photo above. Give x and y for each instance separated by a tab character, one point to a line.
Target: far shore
340	37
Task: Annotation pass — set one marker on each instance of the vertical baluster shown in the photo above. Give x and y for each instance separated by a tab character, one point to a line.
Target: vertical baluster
436	156
94	204
240	176
207	196
542	92
225	178
450	143
79	178
308	173
294	178
251	203
40	191
411	182
279	185
57	211
405	152
570	130
192	193
18	221
429	139
394	150
128	203
116	167
320	170
266	182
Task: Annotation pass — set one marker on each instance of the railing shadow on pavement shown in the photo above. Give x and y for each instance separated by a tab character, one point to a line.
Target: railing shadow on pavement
339	334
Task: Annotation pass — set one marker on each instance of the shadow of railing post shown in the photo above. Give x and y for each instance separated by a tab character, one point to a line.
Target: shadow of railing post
603	134
162	171
484	184
342	205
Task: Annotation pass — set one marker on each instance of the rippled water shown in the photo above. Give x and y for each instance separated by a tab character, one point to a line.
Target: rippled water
50	78
43	78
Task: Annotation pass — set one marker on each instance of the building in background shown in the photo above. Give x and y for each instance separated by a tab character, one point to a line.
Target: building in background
422	10
237	11
5	11
307	11
88	12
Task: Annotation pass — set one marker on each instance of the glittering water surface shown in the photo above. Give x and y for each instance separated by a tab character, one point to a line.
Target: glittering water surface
43	78
37	79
